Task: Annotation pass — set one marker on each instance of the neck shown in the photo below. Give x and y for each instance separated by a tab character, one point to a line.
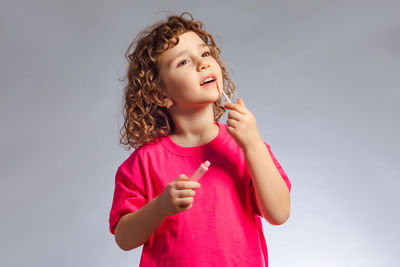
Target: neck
196	126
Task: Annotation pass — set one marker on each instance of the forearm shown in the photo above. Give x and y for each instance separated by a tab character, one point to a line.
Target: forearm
272	193
134	229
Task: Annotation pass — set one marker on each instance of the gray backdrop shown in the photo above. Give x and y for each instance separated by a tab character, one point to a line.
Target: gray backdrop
321	78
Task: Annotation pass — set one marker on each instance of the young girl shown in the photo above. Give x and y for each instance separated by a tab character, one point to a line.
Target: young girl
172	108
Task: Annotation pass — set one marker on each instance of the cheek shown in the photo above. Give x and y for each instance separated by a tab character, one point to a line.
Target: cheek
218	68
184	80
177	86
220	73
180	86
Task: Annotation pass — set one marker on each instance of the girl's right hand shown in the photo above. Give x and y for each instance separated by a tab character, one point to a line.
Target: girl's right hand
177	196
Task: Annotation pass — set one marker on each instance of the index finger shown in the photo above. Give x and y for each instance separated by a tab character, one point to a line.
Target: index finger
181	185
234	106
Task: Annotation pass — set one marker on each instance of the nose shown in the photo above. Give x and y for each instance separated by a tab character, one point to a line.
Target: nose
203	64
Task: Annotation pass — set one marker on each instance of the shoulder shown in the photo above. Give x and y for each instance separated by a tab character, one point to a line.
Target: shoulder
142	153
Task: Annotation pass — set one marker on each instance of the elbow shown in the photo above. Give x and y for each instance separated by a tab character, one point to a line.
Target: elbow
122	245
277	219
121	241
282	220
283	216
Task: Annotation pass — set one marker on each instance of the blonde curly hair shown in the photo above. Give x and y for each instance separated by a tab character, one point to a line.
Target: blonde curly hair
145	119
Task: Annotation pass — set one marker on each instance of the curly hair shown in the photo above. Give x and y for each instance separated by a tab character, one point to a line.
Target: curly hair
145	120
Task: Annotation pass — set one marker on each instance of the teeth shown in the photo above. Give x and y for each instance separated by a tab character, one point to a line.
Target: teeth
207	80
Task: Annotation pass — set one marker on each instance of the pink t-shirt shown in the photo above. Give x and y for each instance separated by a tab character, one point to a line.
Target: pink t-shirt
223	227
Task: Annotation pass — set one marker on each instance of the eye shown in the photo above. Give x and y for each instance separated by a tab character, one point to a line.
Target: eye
208	53
181	63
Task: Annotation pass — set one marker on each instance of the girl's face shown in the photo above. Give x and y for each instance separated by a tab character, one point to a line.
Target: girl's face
184	67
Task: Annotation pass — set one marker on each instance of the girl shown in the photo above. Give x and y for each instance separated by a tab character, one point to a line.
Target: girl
172	108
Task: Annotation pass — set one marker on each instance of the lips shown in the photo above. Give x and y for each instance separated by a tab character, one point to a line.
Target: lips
206	77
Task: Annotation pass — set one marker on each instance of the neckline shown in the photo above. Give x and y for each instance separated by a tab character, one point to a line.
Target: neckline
196	151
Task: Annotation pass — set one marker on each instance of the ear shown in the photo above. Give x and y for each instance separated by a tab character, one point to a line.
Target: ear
167	102
164	101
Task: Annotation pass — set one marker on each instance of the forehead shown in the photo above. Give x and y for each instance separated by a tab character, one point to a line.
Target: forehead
187	41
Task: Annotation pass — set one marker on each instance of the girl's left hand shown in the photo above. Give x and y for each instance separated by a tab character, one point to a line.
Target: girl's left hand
242	125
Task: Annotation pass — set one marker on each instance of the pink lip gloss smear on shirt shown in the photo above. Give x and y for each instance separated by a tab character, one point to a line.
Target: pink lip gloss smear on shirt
200	171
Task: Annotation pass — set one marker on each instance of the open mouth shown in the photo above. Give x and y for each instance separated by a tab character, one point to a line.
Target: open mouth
208	81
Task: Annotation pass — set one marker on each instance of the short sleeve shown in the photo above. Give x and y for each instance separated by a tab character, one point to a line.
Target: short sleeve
129	193
284	177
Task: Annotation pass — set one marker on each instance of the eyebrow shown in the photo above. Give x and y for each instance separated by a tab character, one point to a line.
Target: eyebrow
184	52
